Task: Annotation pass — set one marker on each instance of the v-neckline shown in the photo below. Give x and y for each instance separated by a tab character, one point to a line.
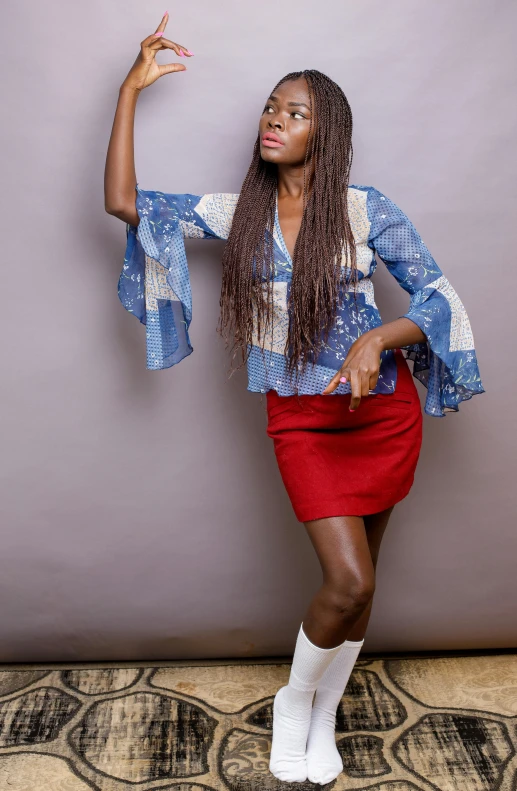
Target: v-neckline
279	232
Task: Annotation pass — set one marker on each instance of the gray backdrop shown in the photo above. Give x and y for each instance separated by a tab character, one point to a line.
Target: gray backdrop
143	514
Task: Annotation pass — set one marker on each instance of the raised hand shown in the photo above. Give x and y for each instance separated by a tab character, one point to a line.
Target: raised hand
145	70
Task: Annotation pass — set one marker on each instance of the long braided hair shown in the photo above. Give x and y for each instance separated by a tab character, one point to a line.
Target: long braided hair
325	234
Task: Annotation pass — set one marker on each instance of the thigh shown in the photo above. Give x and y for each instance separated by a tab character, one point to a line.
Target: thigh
341	545
375	525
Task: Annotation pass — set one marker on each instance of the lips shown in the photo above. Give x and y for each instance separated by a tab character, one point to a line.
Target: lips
270	136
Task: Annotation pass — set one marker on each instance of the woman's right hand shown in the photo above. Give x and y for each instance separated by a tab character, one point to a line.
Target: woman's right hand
145	70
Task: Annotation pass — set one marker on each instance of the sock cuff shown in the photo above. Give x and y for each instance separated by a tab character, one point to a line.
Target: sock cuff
318	647
309	662
339	670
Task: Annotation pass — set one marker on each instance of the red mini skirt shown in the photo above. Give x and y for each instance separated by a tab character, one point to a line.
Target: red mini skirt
334	462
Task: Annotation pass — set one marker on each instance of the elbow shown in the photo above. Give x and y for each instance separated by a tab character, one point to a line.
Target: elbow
120	205
127	214
115	207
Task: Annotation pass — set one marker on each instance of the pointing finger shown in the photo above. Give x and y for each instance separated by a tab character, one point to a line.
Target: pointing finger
356	390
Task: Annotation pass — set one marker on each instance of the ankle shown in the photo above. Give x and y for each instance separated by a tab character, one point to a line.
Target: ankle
297	700
322	716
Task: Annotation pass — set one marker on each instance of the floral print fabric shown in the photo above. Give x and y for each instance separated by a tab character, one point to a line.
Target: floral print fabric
154	285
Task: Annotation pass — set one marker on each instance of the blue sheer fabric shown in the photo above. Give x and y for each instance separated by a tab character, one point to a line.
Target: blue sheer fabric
154	285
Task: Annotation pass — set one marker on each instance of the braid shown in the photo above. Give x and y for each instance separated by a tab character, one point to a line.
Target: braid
318	278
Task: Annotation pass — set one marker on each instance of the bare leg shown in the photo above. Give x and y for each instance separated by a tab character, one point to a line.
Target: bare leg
341	544
324	762
348	572
375	525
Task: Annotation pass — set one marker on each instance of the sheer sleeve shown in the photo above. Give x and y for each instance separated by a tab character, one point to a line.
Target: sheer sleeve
446	362
154	283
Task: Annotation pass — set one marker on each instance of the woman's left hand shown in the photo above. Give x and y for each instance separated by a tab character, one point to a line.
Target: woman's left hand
360	367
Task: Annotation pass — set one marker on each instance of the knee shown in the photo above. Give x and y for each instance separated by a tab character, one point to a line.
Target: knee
352	596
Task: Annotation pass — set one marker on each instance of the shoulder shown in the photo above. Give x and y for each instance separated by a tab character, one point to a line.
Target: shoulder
359	209
363	195
378	206
366	191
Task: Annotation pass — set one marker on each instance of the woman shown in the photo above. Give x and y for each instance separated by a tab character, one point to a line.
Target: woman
307	325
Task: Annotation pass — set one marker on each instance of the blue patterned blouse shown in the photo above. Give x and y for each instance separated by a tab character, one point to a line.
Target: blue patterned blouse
154	285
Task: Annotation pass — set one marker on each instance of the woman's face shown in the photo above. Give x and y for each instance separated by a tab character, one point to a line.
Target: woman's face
287	116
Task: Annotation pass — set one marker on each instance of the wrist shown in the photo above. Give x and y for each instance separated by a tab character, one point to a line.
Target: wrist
125	88
376	338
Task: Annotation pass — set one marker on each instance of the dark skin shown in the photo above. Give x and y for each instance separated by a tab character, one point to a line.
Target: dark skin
291	124
347	546
119	172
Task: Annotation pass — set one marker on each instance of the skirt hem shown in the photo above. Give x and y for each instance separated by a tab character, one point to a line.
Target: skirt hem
353	507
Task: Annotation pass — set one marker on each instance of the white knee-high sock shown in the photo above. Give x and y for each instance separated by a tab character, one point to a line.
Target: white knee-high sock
324	763
292	708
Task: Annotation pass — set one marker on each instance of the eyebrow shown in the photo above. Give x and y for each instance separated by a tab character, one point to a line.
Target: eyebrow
290	104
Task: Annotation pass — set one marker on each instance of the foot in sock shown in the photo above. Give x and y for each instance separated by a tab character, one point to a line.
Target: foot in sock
292	709
291	720
324	762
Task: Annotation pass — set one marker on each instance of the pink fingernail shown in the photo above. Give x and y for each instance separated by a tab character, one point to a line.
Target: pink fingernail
343	379
166	13
351	410
157	34
181	54
189	52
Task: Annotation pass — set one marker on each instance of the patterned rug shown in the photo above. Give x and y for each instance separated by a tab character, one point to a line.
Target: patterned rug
411	724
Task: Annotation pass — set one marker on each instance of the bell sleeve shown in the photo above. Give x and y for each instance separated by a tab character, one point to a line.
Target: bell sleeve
154	283
446	361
